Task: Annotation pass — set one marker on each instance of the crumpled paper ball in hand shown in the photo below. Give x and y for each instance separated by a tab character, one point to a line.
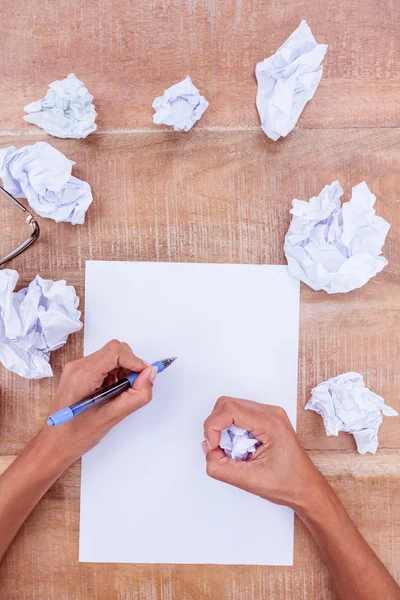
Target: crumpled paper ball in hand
287	80
332	247
180	106
33	322
42	174
345	404
238	443
66	111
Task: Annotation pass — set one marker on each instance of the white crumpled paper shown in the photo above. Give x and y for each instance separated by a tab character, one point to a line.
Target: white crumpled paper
345	404
42	174
287	80
332	247
238	443
33	322
66	111
180	106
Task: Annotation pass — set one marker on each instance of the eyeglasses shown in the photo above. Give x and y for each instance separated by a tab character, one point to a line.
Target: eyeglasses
31	221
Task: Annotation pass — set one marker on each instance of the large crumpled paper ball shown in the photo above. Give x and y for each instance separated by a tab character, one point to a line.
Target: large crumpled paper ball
43	175
66	111
345	404
287	80
336	247
35	321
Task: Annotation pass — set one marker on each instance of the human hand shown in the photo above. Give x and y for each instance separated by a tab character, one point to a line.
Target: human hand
83	377
280	470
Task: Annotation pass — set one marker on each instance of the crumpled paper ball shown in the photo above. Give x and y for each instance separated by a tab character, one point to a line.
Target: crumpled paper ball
287	80
66	111
42	174
345	404
332	247
180	106
34	322
238	443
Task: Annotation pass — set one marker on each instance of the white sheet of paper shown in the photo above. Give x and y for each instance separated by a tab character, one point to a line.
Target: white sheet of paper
145	495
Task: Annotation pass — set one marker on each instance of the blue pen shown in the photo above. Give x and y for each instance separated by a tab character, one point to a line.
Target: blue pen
69	412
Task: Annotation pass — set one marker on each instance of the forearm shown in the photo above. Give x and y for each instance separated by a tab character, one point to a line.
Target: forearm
24	483
356	571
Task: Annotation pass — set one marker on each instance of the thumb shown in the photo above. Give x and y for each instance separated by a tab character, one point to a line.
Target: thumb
218	463
138	395
145	379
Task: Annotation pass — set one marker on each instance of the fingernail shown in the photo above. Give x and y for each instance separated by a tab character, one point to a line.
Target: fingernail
153	374
208	443
204	446
146	363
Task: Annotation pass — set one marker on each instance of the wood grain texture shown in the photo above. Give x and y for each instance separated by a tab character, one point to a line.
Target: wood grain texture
225	197
220	193
50	572
127	53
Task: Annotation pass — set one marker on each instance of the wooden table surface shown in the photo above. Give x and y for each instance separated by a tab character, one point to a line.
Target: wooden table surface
220	193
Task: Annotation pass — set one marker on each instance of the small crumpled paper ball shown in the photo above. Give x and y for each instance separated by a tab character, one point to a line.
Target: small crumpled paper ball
66	111
35	321
180	106
238	443
345	404
332	247
42	174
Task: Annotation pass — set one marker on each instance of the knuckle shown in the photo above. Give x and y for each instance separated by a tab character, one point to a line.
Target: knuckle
113	345
276	411
281	413
207	425
221	401
127	346
211	469
279	418
230	405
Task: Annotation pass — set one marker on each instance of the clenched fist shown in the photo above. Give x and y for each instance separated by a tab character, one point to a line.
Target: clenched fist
279	471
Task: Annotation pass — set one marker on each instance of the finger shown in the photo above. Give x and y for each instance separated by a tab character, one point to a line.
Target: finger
136	397
242	413
221	467
114	354
147	376
250	404
217	454
113	377
87	374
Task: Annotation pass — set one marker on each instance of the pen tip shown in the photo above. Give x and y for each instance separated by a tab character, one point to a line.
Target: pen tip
168	361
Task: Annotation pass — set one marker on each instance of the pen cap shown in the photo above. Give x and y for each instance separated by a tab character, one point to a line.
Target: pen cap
60	417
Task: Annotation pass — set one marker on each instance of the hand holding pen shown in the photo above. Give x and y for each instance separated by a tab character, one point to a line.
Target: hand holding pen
86	376
103	395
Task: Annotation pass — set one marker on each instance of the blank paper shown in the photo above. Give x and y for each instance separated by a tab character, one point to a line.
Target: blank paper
145	495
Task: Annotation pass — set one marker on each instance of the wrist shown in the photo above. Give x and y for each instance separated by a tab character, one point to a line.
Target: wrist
316	498
46	449
323	508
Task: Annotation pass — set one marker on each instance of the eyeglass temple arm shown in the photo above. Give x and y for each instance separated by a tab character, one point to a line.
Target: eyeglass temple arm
16	202
28	242
30	219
